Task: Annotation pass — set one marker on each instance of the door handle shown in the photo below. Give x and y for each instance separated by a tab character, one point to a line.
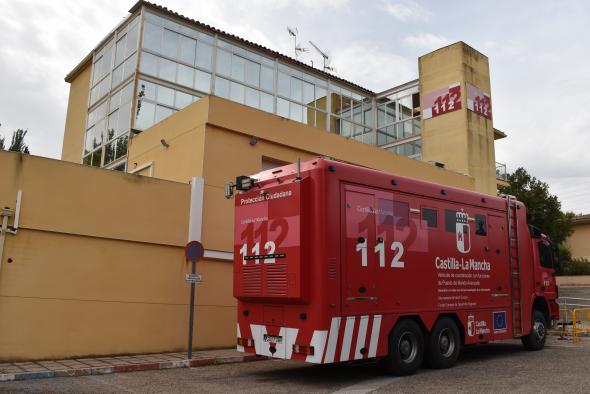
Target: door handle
361	298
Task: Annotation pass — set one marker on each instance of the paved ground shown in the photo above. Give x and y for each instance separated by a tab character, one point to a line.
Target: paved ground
106	365
501	367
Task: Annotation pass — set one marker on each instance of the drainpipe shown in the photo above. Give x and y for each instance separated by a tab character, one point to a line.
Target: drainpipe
6	213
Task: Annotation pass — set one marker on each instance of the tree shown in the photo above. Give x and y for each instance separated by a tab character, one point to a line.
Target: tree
1	143
18	142
543	208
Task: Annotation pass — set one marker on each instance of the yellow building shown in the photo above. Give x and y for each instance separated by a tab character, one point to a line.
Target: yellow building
180	108
579	241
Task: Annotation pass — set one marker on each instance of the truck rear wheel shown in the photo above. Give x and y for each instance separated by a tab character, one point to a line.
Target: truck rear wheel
444	344
406	349
536	338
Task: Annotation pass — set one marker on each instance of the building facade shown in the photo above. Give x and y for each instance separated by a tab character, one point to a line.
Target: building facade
579	241
157	62
167	101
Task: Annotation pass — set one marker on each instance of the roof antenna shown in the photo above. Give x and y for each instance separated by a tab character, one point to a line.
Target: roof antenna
325	56
293	32
298	169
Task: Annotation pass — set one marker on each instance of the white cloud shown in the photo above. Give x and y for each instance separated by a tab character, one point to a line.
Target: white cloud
372	66
406	10
426	41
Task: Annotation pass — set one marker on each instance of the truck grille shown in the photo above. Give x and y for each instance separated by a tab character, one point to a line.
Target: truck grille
332	268
276	279
252	279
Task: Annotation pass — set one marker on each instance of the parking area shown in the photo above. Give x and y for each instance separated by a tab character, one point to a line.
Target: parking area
500	367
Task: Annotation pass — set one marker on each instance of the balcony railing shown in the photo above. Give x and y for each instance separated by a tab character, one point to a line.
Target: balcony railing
501	172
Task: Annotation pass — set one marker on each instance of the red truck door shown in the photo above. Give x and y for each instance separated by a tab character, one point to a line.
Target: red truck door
360	267
497	254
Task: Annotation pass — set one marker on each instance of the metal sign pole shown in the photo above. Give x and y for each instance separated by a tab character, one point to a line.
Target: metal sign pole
193	251
191	313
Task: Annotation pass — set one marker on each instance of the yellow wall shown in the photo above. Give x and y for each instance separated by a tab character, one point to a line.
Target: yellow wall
73	141
462	140
579	241
97	266
184	133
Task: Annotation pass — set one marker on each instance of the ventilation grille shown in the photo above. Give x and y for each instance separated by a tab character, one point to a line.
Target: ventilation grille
332	268
252	275
276	279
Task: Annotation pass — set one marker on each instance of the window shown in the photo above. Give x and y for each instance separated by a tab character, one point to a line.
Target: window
450	221
156	102
401	214
412	149
480	225
545	254
429	216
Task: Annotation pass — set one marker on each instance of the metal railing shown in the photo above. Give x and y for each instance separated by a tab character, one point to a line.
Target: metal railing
580	323
574	318
501	172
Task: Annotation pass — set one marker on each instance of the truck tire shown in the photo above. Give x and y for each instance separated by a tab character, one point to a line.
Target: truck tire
536	338
444	344
406	349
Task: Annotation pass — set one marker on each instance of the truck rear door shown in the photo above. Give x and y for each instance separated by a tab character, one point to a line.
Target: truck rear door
360	268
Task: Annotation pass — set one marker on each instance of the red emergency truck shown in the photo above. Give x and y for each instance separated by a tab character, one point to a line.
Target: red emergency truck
336	262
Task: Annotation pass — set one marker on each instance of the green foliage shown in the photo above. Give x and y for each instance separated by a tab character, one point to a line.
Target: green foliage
543	208
18	142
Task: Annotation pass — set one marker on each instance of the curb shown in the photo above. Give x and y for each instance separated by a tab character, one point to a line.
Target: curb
86	371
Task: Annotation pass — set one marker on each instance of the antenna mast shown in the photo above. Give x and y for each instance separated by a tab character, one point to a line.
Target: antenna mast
325	56
293	32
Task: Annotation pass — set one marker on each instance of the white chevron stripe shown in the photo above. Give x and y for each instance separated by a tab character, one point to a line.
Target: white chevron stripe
332	340
375	335
318	341
239	335
289	340
258	332
360	340
348	330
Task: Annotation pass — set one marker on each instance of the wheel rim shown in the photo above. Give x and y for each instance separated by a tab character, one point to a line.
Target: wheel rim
446	342
407	347
539	330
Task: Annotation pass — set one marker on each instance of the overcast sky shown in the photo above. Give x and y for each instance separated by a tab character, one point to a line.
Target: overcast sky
538	51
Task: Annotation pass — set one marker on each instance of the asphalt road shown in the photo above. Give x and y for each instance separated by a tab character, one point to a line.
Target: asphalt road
499	367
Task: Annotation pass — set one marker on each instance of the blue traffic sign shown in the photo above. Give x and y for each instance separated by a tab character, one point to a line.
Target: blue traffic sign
194	251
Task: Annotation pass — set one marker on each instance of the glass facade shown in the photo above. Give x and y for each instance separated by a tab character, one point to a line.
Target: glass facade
178	64
398	122
111	97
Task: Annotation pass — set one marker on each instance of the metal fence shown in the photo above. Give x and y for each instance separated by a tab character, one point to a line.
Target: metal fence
580	323
574	318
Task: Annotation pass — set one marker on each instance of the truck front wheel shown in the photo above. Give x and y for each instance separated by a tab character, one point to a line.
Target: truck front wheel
406	349
444	344
535	340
